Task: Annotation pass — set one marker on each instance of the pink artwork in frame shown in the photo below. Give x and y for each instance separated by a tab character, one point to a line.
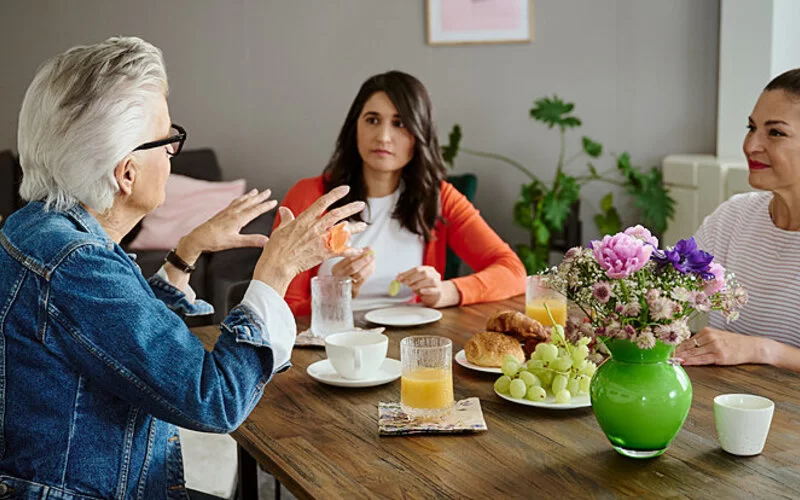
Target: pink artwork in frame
453	22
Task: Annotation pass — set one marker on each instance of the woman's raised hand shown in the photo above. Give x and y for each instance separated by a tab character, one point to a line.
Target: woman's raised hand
299	243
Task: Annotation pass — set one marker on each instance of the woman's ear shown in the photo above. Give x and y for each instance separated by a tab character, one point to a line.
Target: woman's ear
125	174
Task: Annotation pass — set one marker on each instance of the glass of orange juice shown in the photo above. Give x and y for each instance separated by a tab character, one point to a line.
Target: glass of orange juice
537	294
426	384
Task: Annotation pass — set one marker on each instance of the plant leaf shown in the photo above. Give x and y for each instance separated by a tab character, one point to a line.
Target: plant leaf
607	203
554	112
557	203
535	260
450	150
608	220
591	148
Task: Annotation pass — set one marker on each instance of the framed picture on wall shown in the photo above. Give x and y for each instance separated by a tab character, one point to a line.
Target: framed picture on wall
459	22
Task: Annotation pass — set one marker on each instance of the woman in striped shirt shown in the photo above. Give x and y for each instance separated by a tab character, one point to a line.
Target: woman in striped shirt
757	237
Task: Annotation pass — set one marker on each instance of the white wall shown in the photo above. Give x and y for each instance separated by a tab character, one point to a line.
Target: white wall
266	83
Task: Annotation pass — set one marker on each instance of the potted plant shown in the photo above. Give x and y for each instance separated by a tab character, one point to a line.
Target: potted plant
549	211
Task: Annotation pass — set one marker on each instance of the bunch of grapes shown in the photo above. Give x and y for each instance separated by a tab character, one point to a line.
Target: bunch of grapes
559	367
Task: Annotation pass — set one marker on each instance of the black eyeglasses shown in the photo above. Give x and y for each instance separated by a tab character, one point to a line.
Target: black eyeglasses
175	141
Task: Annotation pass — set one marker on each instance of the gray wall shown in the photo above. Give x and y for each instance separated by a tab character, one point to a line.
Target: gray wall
266	83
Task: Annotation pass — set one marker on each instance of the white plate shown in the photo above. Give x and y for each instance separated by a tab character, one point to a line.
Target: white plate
403	316
579	401
322	371
461	359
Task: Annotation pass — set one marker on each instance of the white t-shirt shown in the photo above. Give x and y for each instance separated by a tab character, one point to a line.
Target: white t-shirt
396	250
766	261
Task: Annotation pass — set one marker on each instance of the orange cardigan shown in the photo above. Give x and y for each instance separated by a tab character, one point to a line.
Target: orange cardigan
499	274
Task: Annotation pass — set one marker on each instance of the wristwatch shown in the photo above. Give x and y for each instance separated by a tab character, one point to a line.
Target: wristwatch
179	263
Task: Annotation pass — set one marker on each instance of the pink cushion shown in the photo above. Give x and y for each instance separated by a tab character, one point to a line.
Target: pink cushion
188	203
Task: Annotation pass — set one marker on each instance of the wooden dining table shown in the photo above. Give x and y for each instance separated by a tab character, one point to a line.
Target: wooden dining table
322	441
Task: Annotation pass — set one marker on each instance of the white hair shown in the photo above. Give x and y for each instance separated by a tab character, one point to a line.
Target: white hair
84	111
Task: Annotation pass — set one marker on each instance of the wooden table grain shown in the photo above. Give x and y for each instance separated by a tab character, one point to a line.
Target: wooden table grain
322	441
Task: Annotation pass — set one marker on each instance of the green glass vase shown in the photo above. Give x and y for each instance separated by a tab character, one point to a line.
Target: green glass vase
639	398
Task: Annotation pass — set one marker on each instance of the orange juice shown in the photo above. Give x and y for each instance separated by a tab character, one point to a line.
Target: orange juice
558	308
430	388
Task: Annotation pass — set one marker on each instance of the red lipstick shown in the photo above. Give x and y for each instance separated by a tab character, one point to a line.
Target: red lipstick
756	165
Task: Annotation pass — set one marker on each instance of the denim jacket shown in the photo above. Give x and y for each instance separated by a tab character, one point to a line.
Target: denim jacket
97	366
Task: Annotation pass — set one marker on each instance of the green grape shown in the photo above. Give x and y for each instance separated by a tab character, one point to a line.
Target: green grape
394	288
546	376
529	378
536	393
584	341
589	369
580	353
536	354
557	334
573	386
563	396
585	384
580	365
502	383
549	352
517	388
562	364
559	383
510	366
534	364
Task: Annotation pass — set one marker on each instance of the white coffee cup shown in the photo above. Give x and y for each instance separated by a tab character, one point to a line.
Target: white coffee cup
356	355
743	422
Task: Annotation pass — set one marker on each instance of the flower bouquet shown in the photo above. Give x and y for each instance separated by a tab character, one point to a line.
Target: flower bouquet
631	290
638	301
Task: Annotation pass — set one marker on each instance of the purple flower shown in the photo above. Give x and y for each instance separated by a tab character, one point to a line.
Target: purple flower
642	233
621	255
601	291
686	258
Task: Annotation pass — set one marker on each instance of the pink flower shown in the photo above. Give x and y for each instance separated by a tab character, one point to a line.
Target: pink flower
621	255
601	291
642	233
646	339
718	283
632	309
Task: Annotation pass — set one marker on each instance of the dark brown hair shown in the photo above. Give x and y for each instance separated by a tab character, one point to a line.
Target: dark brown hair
788	81
418	207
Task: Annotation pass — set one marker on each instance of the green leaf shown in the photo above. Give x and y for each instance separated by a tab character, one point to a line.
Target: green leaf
591	148
535	260
649	194
607	203
608	220
554	112
593	170
523	216
450	150
557	203
541	232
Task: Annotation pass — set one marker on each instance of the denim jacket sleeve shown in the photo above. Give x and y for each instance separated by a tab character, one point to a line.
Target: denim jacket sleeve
102	316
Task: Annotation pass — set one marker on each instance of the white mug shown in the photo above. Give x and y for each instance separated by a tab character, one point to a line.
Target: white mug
356	355
743	422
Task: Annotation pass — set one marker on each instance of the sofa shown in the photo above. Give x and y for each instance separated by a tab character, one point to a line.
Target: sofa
215	272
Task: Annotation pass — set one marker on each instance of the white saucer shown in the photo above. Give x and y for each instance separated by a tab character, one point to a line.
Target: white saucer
579	401
461	359
403	316
322	371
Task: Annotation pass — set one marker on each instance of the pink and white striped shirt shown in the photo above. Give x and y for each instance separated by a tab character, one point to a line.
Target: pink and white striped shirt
766	261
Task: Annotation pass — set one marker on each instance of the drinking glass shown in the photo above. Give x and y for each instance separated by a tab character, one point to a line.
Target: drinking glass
331	305
426	385
537	295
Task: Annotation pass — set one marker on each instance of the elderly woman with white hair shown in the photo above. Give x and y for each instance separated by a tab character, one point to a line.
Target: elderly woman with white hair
96	365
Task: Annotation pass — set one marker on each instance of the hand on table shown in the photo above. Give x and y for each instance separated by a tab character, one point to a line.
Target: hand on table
358	267
718	347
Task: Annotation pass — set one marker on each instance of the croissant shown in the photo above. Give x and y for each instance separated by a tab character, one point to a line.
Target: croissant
490	348
518	325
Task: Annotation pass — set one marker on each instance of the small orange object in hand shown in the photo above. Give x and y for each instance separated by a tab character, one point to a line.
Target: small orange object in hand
337	238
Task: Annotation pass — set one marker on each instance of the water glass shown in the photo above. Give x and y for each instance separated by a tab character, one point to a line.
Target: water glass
426	385
537	296
331	305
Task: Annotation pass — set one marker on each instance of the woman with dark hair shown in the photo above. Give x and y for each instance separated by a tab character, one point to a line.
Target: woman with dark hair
388	153
756	236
